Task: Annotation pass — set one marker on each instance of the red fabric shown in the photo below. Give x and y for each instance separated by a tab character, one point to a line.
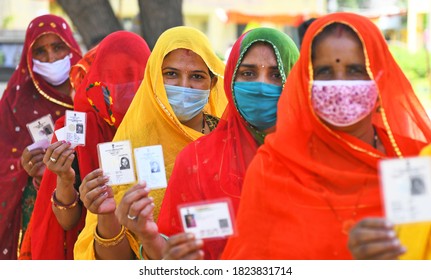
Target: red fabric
21	103
307	182
215	165
119	64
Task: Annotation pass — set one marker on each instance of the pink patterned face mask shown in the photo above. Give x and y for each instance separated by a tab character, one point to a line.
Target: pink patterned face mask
343	102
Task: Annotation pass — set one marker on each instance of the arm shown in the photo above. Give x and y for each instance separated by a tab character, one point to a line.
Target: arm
135	212
109	234
65	199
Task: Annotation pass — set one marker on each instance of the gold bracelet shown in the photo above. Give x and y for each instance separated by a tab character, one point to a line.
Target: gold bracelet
111	241
61	206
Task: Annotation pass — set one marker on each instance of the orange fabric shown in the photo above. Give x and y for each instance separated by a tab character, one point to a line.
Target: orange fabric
307	183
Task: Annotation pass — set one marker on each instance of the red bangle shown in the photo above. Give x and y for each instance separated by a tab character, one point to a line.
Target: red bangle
36	185
61	206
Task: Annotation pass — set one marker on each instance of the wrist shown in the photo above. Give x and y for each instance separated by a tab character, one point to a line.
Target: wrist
64	206
65	181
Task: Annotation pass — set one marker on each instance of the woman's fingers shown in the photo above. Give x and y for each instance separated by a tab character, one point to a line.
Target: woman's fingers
183	246
374	238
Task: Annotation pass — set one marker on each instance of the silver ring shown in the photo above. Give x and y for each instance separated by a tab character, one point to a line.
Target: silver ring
53	159
131	217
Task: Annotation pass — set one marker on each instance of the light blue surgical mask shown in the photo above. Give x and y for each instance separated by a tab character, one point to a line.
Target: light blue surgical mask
186	102
257	102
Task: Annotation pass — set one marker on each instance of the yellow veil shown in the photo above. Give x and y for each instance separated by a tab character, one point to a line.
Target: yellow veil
150	119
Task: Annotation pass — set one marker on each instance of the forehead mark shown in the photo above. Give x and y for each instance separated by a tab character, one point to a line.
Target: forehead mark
337	60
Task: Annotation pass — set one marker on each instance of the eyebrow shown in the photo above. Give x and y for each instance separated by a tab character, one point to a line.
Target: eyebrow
255	66
54	44
356	65
176	69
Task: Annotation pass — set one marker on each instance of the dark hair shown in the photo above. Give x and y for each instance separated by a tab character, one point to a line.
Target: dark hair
303	27
337	29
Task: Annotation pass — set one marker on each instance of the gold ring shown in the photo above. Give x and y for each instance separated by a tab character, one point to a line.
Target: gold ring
53	159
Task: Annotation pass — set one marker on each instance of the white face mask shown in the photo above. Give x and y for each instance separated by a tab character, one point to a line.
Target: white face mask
54	73
186	102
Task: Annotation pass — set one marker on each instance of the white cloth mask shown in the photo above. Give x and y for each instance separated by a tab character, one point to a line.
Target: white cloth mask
54	73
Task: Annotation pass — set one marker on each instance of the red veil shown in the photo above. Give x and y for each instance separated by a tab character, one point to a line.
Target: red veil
27	97
104	93
308	184
213	166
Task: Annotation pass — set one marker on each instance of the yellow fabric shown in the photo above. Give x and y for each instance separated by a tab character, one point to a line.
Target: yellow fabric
426	151
150	119
416	237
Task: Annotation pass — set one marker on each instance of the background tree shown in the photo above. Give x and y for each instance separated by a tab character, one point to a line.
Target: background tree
158	15
94	19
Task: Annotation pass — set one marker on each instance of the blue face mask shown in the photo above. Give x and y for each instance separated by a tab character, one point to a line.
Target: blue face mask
257	102
186	102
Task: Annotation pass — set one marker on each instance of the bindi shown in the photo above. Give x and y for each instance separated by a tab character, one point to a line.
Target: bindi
337	60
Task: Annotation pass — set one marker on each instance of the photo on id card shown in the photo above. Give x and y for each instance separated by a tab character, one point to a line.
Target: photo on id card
150	166
208	219
115	159
41	131
406	189
76	127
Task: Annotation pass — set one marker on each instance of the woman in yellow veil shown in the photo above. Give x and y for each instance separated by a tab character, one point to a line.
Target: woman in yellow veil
152	119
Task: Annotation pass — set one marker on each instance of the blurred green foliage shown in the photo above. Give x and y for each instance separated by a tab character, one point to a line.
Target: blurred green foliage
414	65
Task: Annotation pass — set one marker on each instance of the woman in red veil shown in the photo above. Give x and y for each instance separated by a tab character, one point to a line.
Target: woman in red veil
116	69
29	95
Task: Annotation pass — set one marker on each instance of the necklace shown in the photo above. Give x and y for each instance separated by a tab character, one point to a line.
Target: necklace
203	123
376	138
346	223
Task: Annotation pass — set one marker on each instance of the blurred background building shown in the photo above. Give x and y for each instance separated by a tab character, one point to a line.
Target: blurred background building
404	23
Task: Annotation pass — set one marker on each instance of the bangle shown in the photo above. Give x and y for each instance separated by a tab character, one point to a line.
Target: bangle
141	256
61	206
111	241
36	184
141	248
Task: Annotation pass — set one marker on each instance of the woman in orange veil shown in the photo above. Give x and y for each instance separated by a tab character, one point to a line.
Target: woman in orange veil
311	181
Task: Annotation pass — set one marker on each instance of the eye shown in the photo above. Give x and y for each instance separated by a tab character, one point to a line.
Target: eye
170	74
276	75
60	47
247	73
198	77
38	51
356	69
322	71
